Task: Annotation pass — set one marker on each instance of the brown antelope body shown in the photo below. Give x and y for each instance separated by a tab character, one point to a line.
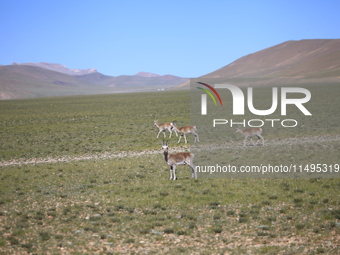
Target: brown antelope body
180	158
186	130
250	132
163	127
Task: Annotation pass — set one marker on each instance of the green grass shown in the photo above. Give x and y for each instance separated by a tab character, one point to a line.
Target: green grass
86	124
128	204
315	140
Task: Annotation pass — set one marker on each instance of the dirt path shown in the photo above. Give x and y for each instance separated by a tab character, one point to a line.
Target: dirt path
127	154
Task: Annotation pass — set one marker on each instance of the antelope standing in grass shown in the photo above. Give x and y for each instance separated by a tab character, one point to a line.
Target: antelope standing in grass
163	127
250	132
186	130
180	158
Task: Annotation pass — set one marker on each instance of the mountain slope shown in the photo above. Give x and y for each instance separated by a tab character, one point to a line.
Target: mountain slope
95	78
19	81
318	58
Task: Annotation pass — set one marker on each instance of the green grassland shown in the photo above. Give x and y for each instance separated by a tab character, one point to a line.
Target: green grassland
315	139
86	124
128	205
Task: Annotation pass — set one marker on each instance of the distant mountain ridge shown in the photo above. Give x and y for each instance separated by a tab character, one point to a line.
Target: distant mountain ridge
144	74
45	79
59	68
70	71
132	81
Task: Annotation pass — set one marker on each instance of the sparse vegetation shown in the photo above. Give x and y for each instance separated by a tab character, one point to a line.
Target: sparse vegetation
128	205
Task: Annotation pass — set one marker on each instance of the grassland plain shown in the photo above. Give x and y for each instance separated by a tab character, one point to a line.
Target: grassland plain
314	140
125	204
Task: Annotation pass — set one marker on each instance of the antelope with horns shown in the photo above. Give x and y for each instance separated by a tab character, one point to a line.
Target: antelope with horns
186	130
180	158
163	127
250	132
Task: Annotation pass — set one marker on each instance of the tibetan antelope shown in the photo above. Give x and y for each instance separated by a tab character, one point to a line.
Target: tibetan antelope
163	127
249	133
180	158
186	130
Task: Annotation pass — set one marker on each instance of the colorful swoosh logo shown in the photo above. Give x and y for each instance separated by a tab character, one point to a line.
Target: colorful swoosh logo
209	93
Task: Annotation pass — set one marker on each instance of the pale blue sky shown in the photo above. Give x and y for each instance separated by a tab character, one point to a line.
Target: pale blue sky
179	37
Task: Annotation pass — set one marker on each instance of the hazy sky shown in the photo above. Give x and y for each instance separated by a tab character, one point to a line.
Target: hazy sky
179	37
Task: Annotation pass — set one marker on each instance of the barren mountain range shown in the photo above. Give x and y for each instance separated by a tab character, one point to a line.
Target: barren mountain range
59	68
291	62
46	79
